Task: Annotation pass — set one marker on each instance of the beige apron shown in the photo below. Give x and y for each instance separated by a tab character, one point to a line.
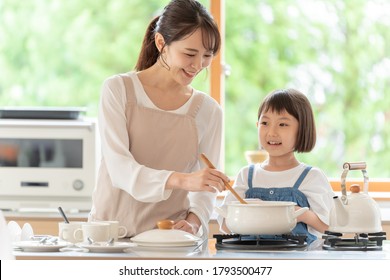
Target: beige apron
159	140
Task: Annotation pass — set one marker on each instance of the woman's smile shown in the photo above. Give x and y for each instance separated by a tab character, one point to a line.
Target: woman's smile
190	75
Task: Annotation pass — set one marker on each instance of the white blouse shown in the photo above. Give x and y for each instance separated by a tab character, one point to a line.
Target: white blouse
120	162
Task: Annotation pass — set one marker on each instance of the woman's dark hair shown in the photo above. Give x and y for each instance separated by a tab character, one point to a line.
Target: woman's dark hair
179	19
296	104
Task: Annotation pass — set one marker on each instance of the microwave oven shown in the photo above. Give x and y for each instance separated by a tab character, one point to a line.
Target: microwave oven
45	164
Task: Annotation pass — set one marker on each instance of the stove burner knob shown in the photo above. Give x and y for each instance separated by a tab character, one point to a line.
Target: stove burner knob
78	185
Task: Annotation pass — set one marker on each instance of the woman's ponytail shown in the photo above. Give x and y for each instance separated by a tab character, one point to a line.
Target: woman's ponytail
149	52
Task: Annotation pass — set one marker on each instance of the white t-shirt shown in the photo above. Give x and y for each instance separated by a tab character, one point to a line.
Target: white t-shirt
315	187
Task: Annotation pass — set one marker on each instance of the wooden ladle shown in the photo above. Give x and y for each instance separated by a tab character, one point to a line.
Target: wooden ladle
210	165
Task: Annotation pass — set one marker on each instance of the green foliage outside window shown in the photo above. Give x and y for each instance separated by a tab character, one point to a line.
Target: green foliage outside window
57	53
337	52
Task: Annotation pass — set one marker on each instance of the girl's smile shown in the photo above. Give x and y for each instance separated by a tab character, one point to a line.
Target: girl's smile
274	143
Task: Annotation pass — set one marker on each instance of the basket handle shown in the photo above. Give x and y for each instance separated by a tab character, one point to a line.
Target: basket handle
360	165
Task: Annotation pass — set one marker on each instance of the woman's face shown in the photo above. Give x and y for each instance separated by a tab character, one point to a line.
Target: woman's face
188	57
277	132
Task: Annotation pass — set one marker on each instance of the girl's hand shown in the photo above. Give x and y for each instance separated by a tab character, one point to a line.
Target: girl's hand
207	179
311	219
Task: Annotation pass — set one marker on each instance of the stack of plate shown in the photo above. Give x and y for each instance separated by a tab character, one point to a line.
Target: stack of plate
165	238
165	243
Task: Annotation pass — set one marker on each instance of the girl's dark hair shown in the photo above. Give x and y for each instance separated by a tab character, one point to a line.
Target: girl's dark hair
296	104
179	19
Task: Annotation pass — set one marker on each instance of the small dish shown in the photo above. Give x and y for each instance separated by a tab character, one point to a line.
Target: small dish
103	247
36	246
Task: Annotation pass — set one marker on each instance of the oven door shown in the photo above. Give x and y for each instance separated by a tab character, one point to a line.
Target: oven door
46	162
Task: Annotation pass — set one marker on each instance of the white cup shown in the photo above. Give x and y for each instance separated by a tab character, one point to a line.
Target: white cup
116	231
66	230
97	231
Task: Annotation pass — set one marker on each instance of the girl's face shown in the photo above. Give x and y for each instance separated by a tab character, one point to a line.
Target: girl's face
277	132
187	58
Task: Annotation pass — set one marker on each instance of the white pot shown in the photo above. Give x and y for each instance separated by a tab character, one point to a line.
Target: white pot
261	217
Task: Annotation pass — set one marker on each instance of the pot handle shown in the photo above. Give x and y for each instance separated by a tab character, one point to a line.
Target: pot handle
300	211
220	211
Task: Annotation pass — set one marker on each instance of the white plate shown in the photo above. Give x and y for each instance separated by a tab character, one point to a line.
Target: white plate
15	231
35	246
27	232
166	244
163	251
102	247
163	237
162	248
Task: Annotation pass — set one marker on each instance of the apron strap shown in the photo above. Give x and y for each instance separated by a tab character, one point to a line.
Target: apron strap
195	104
301	177
129	87
250	175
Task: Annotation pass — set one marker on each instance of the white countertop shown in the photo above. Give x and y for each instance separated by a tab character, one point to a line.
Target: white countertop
209	252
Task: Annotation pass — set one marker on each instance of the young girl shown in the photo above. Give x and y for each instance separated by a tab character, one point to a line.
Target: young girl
285	126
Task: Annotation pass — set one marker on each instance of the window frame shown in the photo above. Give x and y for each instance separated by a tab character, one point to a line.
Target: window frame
381	187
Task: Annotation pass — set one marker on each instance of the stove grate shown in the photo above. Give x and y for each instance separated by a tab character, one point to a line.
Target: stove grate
361	242
257	243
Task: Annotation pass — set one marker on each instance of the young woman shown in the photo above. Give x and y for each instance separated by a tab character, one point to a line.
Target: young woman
286	126
154	126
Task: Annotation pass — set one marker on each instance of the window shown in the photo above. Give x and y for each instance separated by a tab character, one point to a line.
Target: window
336	52
57	53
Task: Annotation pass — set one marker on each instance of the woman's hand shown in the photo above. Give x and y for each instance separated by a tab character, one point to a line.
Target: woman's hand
186	226
207	179
191	224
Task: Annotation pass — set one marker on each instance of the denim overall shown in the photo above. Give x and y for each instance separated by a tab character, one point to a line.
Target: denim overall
283	194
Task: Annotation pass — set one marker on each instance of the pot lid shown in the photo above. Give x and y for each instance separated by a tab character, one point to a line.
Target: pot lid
164	236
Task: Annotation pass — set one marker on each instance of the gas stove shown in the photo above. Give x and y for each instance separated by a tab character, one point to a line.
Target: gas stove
239	242
360	242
